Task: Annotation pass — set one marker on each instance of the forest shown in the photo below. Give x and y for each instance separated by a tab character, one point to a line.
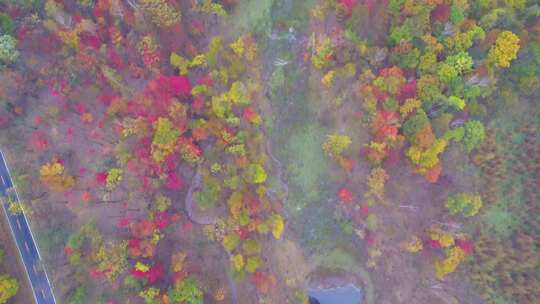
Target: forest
249	151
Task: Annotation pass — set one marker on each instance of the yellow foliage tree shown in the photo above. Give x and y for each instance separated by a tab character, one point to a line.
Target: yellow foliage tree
450	263
177	261
164	140
376	181
445	239
8	287
53	175
409	106
237	261
278	225
160	12
414	245
505	49
142	267
111	258
335	144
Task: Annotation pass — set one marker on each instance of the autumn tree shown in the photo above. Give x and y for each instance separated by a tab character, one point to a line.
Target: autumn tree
8	288
376	182
164	139
336	144
505	49
465	203
160	12
111	259
186	291
53	175
255	174
450	263
78	296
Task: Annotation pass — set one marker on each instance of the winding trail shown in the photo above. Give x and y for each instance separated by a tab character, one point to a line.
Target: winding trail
279	169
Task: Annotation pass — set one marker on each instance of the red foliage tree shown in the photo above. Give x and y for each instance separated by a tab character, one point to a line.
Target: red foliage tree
174	182
38	141
345	195
441	13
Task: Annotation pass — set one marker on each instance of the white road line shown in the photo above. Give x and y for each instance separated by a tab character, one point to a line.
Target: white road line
3	181
19	224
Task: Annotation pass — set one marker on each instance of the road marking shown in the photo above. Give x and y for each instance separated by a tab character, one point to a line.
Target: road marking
43	293
35	269
19	223
3	181
27	247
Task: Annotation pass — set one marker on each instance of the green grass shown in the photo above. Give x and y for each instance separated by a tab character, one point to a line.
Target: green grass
336	259
500	220
252	15
307	165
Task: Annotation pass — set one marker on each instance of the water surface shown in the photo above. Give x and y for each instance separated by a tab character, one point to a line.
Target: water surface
348	294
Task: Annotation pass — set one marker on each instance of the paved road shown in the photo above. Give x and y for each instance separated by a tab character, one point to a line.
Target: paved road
26	244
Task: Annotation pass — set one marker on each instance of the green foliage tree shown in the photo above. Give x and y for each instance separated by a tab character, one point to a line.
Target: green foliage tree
534	47
8	49
79	296
474	134
456	102
455	134
149	295
415	123
230	241
209	195
255	174
164	139
52	237
428	88
132	283
253	263
400	33
462	62
446	72
114	177
395	6
6	24
186	291
456	14
427	63
464	203
409	60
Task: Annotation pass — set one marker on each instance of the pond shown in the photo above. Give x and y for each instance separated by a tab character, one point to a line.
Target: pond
348	294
